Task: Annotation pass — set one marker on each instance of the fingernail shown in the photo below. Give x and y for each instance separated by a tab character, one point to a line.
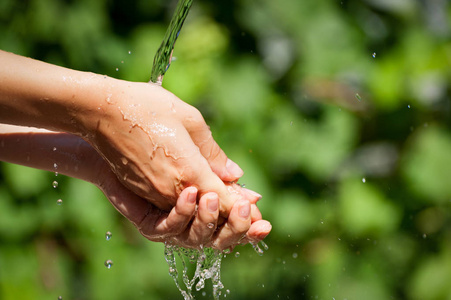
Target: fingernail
234	169
244	210
212	204
255	194
192	195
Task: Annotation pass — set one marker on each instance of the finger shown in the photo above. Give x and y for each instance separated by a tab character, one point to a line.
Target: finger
235	228
251	196
196	172
256	215
201	135
180	215
204	224
257	232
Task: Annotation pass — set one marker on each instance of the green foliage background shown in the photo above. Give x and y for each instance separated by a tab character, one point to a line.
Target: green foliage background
351	152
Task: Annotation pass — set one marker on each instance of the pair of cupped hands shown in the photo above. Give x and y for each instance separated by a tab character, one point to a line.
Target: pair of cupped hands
176	184
151	154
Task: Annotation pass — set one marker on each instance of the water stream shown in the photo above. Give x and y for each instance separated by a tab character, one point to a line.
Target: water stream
163	57
207	261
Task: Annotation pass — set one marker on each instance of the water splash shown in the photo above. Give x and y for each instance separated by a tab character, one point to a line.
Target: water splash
208	266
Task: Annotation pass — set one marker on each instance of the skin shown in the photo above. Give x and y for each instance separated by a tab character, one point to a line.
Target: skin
139	129
183	225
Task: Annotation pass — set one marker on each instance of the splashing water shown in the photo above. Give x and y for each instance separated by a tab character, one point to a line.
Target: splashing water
208	266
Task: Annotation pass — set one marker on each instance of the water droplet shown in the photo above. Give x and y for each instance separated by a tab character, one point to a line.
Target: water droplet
237	254
211	225
59	202
122	61
108	235
108	263
266	247
117	69
54	149
60	298
129	52
204	293
56	173
257	249
374	54
55	184
408	106
243	185
357	96
424	235
363	179
295	255
55	166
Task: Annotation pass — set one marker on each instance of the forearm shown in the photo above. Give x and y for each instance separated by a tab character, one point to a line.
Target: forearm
51	151
34	93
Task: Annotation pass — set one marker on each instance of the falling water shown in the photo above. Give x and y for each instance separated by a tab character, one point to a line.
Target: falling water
208	266
206	260
162	59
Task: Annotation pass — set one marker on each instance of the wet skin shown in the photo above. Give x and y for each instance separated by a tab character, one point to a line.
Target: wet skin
153	142
194	221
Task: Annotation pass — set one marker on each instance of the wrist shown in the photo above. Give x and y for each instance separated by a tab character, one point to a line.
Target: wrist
38	94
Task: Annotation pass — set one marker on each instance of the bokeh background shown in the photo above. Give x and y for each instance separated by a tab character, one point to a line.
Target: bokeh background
338	111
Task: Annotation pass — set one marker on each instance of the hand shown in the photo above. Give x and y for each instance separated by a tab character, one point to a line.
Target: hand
77	158
186	227
154	142
158	145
